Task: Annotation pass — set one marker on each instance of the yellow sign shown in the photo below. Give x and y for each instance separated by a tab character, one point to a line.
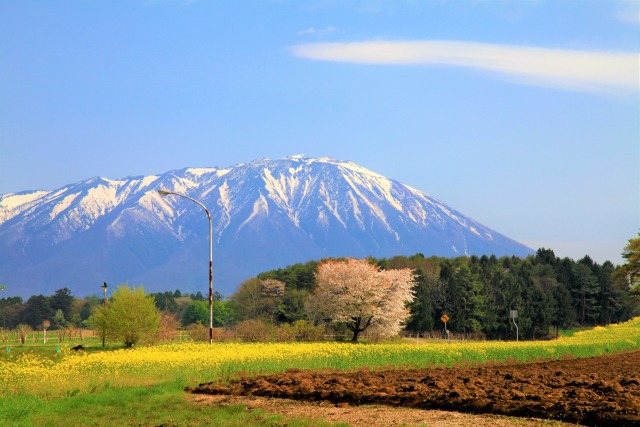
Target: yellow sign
444	318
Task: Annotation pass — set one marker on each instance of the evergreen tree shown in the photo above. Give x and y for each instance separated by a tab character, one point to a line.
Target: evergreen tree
62	300
510	299
444	302
538	310
11	312
468	300
563	313
421	308
166	301
610	299
586	293
546	257
492	276
36	311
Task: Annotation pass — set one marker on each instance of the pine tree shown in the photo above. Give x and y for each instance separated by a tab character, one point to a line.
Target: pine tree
62	300
421	308
563	313
36	311
586	293
610	298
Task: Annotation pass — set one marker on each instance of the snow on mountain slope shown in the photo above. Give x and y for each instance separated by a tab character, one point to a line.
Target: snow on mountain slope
266	214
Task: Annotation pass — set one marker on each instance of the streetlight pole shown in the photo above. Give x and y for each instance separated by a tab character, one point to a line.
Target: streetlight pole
166	193
104	304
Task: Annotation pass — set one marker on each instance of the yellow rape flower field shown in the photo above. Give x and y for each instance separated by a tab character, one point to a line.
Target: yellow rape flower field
69	373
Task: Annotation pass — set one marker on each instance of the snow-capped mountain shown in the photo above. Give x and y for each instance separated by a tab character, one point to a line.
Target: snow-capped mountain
265	214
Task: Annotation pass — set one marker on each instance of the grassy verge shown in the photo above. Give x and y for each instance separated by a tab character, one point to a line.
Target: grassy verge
159	405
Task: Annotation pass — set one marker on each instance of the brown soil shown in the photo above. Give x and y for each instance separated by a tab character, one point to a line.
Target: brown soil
602	391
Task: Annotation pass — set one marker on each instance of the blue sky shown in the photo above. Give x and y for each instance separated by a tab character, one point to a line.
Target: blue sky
524	115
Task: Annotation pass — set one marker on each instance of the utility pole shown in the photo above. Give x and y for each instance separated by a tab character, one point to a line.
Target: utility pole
104	304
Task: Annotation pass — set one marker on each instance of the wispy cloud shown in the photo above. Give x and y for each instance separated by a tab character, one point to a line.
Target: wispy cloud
318	31
629	11
587	71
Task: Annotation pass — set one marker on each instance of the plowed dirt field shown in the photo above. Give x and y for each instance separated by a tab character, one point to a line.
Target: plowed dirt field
599	391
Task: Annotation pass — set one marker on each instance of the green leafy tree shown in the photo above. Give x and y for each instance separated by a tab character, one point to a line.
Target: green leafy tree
631	253
291	308
299	280
130	316
196	312
58	319
87	305
627	279
258	299
223	313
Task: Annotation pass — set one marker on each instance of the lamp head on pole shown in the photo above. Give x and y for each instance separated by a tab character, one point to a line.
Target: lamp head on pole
164	192
104	286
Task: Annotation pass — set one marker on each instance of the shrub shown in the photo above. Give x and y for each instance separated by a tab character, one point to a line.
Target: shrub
23	330
253	330
198	332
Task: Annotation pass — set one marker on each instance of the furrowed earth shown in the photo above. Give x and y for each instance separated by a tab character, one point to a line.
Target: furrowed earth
596	391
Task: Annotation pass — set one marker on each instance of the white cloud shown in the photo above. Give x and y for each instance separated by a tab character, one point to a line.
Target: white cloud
567	69
318	31
629	11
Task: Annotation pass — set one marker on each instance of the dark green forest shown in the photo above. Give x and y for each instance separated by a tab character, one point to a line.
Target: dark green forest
477	293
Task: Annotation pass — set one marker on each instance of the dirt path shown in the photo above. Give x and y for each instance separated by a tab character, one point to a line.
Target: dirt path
603	391
372	415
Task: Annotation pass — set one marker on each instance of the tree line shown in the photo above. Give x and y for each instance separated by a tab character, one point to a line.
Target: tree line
63	310
478	294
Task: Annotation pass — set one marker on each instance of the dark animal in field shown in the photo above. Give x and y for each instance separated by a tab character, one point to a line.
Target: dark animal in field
77	348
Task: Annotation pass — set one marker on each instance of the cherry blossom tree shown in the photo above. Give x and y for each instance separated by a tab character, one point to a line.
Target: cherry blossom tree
360	295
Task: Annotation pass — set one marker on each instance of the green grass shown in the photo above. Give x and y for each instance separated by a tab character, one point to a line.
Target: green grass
165	405
572	331
51	350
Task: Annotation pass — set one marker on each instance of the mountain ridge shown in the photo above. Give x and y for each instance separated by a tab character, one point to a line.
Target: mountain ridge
265	214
